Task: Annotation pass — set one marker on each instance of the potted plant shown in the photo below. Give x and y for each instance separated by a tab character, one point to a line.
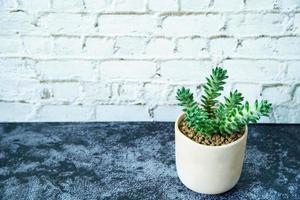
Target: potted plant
210	137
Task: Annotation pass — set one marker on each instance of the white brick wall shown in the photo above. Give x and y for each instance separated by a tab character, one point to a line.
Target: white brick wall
103	60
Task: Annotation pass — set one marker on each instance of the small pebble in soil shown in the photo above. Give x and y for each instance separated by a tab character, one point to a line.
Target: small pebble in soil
216	140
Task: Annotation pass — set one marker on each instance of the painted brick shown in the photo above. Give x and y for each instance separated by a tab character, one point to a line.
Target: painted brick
19	90
7	4
256	24
125	92
195	5
96	91
96	5
203	25
66	5
65	70
14	112
166	113
160	47
223	47
129	5
289	4
253	71
185	70
277	94
192	47
166	5
67	46
17	68
220	5
155	93
257	48
127	70
64	91
297	95
10	45
33	45
35	4
130	45
61	23
292	73
66	113
122	113
126	24
288	47
263	5
99	46
16	22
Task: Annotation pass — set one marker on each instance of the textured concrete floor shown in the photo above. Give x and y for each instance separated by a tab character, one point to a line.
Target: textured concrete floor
133	161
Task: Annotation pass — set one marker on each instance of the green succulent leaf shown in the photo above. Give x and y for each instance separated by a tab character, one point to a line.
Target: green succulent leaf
212	116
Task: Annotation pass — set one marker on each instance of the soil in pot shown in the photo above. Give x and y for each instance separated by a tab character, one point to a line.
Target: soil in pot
216	140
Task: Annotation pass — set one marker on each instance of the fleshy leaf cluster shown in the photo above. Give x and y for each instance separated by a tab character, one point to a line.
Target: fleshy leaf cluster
212	116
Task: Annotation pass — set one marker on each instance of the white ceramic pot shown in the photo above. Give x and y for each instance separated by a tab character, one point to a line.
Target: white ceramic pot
208	169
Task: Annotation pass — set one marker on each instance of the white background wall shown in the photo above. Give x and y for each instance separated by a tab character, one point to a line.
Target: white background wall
95	60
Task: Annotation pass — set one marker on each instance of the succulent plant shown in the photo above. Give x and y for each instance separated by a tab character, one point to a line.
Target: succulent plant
212	116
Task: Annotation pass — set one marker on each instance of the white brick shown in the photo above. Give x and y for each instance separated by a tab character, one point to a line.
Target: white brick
288	47
128	5
65	113
99	47
297	23
166	5
96	91
185	70
282	114
37	45
14	112
66	70
256	24
293	69
16	22
159	47
277	94
127	70
64	91
19	90
259	5
130	45
66	5
96	5
289	5
16	68
253	71
126	24
296	94
166	113
250	91
203	25
34	4
155	94
223	47
195	5
60	23
67	46
7	4
192	47
257	48
122	113
10	45
232	5
125	92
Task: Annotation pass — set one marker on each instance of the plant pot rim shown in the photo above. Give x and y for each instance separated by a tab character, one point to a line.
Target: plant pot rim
192	142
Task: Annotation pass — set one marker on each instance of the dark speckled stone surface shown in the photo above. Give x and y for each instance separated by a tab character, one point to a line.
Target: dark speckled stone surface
133	161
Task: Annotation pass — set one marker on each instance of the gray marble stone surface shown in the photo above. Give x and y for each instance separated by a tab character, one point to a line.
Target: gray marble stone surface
133	160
